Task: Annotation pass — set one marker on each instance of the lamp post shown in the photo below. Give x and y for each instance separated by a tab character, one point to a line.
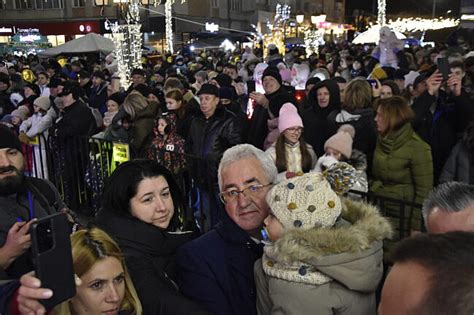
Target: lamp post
299	20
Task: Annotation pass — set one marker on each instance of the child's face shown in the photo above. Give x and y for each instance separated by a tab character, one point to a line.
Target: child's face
334	153
36	108
161	126
293	134
273	226
16	120
112	106
172	104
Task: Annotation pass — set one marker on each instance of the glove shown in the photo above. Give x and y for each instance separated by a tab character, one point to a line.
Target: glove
24	138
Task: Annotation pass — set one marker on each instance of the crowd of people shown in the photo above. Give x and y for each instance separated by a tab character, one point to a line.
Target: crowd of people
279	150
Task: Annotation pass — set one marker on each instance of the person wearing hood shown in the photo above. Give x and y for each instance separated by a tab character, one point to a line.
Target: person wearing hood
6	107
323	99
31	92
357	110
312	263
267	108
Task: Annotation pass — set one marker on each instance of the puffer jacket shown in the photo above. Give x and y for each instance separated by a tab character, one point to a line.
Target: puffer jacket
402	169
141	133
347	257
207	141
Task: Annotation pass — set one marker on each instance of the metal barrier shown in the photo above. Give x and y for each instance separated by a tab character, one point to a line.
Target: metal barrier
80	166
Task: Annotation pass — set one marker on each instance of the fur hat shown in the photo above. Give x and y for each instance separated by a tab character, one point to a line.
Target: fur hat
42	102
305	202
342	140
272	71
8	139
289	117
208	88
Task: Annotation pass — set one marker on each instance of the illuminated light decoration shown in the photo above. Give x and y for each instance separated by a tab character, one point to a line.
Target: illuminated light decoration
381	10
227	45
467	17
128	50
212	27
407	25
169	22
312	40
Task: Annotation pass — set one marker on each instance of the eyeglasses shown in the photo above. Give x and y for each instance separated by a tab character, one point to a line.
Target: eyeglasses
233	194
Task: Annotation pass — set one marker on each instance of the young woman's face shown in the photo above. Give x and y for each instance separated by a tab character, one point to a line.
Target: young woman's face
323	97
161	126
36	108
172	104
102	289
153	203
380	121
112	106
274	227
292	135
386	92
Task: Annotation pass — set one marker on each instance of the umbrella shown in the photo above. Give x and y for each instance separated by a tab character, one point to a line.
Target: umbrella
85	44
372	35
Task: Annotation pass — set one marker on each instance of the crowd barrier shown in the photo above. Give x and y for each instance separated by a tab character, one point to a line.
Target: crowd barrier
80	166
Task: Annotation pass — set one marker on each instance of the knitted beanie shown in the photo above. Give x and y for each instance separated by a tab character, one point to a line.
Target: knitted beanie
289	117
305	202
272	71
342	140
21	112
43	102
8	139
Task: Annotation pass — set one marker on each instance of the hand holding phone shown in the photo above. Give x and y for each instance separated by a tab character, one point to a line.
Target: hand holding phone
52	257
443	67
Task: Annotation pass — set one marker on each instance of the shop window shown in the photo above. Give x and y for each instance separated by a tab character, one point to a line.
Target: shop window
24	4
48	4
236	5
215	3
78	3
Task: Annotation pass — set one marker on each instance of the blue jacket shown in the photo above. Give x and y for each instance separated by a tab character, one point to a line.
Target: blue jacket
216	270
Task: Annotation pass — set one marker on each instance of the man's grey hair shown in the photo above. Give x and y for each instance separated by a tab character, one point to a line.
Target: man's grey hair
449	197
243	151
202	74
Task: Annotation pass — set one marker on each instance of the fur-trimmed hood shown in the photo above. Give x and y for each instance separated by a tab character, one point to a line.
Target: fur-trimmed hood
350	252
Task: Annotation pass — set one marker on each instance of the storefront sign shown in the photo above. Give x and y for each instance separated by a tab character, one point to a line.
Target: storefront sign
212	27
67	28
7	30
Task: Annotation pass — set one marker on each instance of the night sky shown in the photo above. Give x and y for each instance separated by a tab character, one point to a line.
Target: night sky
406	7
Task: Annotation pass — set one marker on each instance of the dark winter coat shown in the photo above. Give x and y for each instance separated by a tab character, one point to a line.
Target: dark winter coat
216	270
141	132
440	122
258	126
6	107
459	167
98	97
402	169
315	119
45	201
76	120
149	255
365	130
207	141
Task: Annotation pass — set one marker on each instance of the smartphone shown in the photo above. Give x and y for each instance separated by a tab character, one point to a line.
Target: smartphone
52	257
443	67
372	83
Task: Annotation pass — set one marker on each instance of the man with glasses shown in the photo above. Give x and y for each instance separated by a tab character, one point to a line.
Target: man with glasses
216	269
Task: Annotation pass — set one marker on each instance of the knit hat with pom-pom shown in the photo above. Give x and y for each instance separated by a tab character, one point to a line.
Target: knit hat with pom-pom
342	140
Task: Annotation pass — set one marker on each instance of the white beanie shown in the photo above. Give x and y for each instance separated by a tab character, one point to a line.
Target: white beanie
342	140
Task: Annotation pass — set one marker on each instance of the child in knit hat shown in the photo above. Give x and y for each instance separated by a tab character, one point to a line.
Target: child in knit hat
34	131
323	254
290	152
338	148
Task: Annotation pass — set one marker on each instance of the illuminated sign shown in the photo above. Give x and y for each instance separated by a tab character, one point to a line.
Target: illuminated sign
28	30
29	38
212	27
7	29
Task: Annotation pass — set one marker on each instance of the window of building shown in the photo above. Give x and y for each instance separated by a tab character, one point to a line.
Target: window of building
236	5
48	4
78	3
24	4
215	3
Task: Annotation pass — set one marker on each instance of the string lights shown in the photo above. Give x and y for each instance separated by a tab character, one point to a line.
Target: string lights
312	39
128	50
382	10
418	24
169	22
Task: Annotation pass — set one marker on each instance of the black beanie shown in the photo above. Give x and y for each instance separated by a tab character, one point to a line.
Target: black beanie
224	80
8	139
272	71
117	97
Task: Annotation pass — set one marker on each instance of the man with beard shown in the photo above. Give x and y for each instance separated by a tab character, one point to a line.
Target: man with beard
22	200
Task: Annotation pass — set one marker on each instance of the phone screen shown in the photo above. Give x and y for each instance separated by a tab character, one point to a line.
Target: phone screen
443	67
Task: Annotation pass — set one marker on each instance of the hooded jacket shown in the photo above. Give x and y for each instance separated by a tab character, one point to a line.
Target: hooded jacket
316	124
347	256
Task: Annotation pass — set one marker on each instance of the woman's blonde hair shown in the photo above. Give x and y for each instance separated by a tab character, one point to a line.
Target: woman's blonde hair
88	248
396	112
357	95
134	103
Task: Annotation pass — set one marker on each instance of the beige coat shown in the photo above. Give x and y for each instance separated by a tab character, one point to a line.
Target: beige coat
350	254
